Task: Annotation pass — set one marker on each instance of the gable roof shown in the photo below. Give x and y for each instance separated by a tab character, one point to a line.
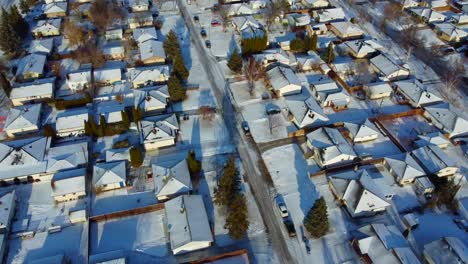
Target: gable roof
54	7
432	158
434	138
242	22
41	45
144	74
150	98
107	74
39	87
23	117
69	182
151	48
405	167
417	92
141	35
385	65
450	121
109	173
347	28
44	26
171	177
159	128
282	76
32	63
362	130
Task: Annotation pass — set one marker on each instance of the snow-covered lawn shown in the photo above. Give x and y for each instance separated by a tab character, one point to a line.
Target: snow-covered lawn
241	93
120	200
378	148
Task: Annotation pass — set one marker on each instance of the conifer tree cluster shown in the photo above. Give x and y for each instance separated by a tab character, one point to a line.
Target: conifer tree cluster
228	194
136	157
304	45
13	29
26	5
254	45
316	221
104	129
329	55
235	62
179	72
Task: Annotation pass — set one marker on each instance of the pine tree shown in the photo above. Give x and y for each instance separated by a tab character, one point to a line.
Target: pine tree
125	119
228	184
237	219
24	7
177	92
235	62
9	40
179	68
5	84
316	221
49	131
136	158
171	45
193	164
297	45
87	128
314	42
19	24
329	55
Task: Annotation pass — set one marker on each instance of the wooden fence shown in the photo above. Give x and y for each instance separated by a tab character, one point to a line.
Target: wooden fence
130	212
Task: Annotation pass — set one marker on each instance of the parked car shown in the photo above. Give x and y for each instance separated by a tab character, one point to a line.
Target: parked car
208	44
283	210
290	227
196	18
245	128
215	23
203	32
461	223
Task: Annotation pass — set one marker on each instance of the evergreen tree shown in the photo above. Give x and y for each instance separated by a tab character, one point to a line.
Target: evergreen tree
313	45
179	68
136	158
297	45
24	6
193	164
177	92
235	62
5	84
171	45
237	219
329	55
125	119
316	221
49	131
87	129
228	184
19	24
9	40
137	114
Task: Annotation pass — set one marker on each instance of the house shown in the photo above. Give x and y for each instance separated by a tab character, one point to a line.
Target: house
257	4
187	224
304	110
159	131
40	90
31	66
359	193
70	122
450	32
275	56
327	92
380	243
42	46
360	48
66	156
316	29
296	20
446	120
55	9
427	15
152	99
388	69
434	138
251	32
435	161
69	185
315	3
404	168
115	51
152	52
47	28
330	148
23	120
109	176
112	111
312	61
329	15
7	212
445	250
141	35
378	90
116	92
362	132
346	30
242	22
115	33
462	201
284	81
138	5
140	19
240	9
107	76
171	178
79	80
144	76
416	93
423	186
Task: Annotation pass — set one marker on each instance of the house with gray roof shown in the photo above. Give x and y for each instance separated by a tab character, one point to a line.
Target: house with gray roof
446	250
304	110
42	46
388	69
144	76
284	81
443	117
152	52
435	161
23	120
31	67
109	176
159	131
417	93
171	178
151	99
404	168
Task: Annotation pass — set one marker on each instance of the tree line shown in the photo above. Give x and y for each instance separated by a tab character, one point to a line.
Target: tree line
13	30
104	129
179	72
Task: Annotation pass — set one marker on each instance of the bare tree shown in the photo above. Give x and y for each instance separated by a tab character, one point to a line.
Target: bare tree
104	12
75	34
253	71
272	12
362	73
223	15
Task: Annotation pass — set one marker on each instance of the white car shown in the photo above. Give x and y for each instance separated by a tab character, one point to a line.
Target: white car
283	210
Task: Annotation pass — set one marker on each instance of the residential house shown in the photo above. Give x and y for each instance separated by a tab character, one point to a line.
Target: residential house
330	148
327	92
404	168
240	9
47	28
141	35
187	224
70	122
360	194
144	76
362	132
251	32
284	81
152	99
115	51
23	120
109	176
304	110
450	32
315	3
139	5
329	15
152	52
69	185
434	138
378	90
31	67
445	250
388	69
66	156
316	29
112	111
346	30
423	186
55	9
416	93
114	33
107	76
159	131
446	120
435	161
171	178
242	22
42	46
275	56
140	19
462	201
79	80
428	15
114	92
360	48
40	90
380	243
312	62
297	20
7	212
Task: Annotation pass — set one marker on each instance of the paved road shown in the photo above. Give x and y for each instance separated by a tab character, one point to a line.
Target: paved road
247	151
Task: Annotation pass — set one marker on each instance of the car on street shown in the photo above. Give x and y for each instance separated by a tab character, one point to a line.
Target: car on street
283	210
245	128
196	18
290	228
208	44
203	32
215	23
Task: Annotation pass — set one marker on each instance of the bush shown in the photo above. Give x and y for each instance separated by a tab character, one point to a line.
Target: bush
121	144
61	104
136	157
316	221
193	164
235	62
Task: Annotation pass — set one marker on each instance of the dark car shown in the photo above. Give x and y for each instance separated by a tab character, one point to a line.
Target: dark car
215	23
290	227
245	128
203	33
196	18
208	44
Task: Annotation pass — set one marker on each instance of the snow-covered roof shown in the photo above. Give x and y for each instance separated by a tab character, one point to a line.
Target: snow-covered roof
114	89
23	152
141	35
68	182
330	142
305	109
275	56
159	128
282	76
250	32
417	92
432	158
113	49
145	74
72	118
150	49
107	74
79	76
153	97
385	65
187	220
109	173
41	46
446	250
32	63
434	138
452	123
138	3
362	130
171	177
379	88
347	28
67	156
405	167
298	20
111	110
451	30
140	18
242	22
7	204
331	14
45	26
54	7
39	87
360	47
26	116
240	9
